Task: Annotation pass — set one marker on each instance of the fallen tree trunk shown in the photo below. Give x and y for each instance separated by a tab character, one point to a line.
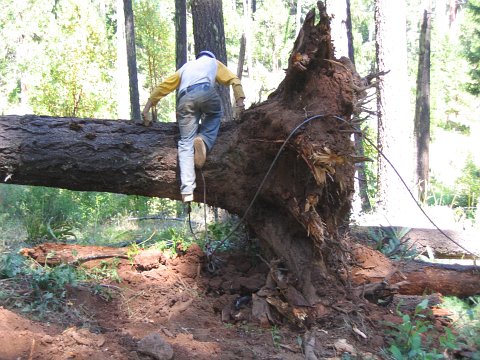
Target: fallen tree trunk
53	254
305	200
376	273
304	204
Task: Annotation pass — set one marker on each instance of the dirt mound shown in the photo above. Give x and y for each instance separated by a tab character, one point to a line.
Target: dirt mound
181	308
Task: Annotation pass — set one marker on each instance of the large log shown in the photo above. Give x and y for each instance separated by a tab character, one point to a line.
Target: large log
374	271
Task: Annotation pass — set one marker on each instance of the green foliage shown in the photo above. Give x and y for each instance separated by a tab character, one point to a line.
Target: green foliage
106	270
469	185
410	339
51	68
40	290
11	265
363	35
463	196
45	286
471	44
63	215
154	35
390	241
276	336
466	324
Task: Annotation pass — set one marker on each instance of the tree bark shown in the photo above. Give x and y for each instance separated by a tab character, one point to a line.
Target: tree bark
395	128
209	34
372	270
180	32
422	109
131	60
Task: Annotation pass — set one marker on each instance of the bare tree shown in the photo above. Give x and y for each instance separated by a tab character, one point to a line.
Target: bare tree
209	34
180	32
131	60
394	118
422	108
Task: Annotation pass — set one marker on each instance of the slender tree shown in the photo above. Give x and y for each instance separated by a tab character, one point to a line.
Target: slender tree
422	107
471	45
241	56
123	107
342	36
358	139
339	26
394	120
131	60
209	34
180	32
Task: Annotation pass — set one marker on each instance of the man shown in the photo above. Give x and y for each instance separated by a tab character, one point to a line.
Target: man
197	96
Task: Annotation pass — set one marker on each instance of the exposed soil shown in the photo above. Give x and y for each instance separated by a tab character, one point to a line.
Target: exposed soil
199	315
183	304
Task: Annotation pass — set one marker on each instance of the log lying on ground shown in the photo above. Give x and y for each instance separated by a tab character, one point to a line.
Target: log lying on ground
53	254
374	271
305	199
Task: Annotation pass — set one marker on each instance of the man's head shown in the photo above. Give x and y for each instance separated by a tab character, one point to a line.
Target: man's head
206	53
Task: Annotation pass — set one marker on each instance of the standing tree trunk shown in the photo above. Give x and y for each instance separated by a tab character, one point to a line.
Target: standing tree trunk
209	34
131	60
394	120
422	108
241	56
339	26
180	33
122	68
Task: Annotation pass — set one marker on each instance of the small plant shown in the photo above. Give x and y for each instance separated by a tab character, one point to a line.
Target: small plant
466	322
390	241
106	270
410	339
133	250
40	290
276	336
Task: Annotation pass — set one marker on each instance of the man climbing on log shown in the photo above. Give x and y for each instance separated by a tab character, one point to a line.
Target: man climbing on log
197	99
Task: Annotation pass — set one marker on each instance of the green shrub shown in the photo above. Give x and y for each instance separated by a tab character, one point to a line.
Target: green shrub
411	339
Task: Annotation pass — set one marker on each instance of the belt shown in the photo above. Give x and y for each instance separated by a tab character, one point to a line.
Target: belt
192	87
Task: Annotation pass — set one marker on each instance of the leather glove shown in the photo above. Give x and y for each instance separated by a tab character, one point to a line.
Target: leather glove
239	108
146	119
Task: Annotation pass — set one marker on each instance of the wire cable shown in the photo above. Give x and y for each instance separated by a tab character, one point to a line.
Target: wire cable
211	251
475	256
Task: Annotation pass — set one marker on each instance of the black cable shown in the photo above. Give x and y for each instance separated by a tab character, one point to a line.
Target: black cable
418	204
411	194
212	252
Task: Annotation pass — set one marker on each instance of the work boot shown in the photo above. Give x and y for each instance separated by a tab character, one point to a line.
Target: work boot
187	198
200	152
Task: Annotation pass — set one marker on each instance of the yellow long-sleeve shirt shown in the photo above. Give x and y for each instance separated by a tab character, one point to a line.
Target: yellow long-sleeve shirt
197	71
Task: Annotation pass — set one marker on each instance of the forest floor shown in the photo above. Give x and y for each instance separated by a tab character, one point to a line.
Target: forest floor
176	307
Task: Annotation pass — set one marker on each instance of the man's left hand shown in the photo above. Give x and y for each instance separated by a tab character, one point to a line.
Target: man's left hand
146	119
239	108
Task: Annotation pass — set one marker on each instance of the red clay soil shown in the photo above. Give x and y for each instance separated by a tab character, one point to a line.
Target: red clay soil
183	304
